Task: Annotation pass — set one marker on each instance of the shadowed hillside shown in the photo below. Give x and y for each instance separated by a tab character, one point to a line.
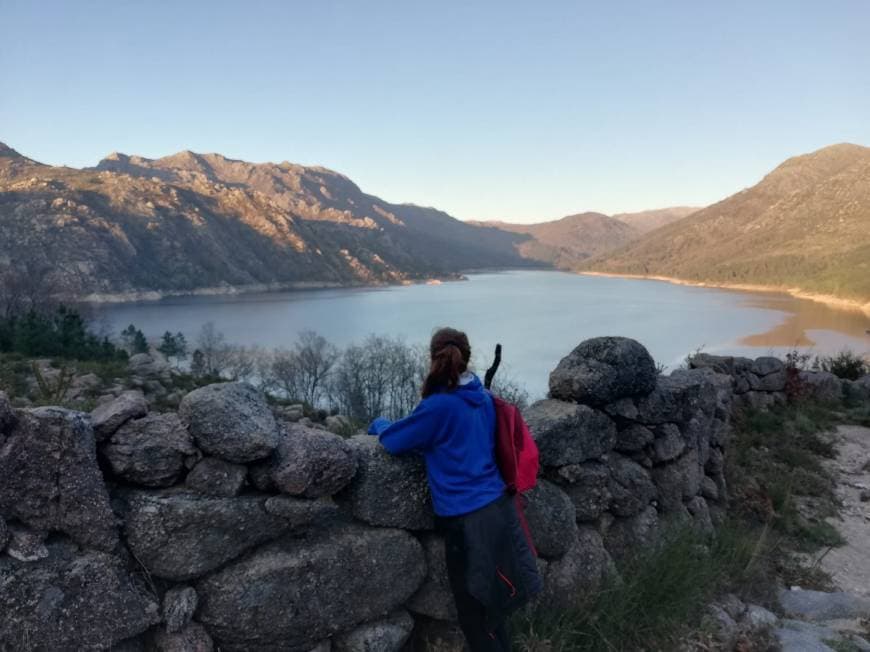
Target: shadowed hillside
190	222
566	242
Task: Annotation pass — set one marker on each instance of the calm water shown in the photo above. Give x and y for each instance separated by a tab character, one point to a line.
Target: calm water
537	316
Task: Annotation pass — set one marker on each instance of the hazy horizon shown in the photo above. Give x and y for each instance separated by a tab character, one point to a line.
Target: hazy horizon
497	111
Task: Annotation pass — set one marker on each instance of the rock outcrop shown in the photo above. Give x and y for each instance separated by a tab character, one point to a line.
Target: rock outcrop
181	536
388	491
309	462
150	451
49	479
110	416
602	370
627	447
231	421
214	477
71	600
295	592
240	533
224	224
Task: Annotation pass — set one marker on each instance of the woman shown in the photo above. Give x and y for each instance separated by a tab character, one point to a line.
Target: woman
490	565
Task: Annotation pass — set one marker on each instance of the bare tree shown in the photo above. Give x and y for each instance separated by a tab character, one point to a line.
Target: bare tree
315	358
284	372
239	362
26	286
303	372
212	346
346	389
380	377
264	378
510	390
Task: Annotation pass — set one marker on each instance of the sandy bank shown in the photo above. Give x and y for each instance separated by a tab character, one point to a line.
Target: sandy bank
830	300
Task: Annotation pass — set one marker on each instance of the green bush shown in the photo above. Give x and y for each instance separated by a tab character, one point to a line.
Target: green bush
775	459
846	365
61	333
14	374
655	597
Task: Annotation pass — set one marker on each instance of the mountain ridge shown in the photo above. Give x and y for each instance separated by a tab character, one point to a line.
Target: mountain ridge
649	220
568	241
803	228
187	222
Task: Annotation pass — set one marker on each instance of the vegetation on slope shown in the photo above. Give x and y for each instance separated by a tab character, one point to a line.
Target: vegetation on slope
780	495
805	226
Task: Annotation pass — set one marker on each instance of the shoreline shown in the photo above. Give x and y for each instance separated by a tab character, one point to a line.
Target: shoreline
101	298
832	301
234	290
254	288
221	290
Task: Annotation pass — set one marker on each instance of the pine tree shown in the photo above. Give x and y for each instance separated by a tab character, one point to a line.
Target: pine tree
134	340
180	346
197	365
127	336
173	346
168	345
140	344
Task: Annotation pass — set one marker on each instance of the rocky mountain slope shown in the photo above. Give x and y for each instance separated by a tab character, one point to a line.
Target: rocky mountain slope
191	222
805	227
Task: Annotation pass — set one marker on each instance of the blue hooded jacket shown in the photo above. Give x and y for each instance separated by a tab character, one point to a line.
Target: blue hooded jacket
455	433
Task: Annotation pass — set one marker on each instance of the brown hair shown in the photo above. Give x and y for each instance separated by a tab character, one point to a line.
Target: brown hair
450	352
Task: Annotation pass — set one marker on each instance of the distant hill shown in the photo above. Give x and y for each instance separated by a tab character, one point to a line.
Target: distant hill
804	227
190	222
567	242
646	221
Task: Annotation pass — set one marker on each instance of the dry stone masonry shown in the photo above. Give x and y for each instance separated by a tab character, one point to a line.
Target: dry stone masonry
222	527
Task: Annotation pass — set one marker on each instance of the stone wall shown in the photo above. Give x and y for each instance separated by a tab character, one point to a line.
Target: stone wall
220	526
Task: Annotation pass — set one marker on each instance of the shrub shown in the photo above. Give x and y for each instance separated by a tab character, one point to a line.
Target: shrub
511	391
61	333
774	459
795	363
846	365
658	594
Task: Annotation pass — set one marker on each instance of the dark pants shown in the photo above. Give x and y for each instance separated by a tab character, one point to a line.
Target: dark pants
480	632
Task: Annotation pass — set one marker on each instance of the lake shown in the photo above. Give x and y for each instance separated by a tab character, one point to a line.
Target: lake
538	316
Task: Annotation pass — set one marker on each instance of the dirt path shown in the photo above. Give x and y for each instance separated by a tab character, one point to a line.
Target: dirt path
849	565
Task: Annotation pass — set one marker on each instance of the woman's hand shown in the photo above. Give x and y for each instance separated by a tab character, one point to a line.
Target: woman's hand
377	426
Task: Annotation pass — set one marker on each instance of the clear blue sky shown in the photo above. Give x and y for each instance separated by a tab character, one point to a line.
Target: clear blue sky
522	111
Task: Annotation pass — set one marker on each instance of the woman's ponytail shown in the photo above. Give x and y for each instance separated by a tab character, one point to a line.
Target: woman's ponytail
449	352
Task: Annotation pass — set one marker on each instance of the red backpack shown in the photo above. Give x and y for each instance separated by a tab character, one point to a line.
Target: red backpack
516	453
515	450
517	456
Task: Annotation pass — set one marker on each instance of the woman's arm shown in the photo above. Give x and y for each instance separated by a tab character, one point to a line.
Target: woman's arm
413	433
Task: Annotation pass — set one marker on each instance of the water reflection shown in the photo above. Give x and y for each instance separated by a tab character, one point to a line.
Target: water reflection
538	316
802	316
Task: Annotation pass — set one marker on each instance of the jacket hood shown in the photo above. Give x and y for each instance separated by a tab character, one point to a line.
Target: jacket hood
472	391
